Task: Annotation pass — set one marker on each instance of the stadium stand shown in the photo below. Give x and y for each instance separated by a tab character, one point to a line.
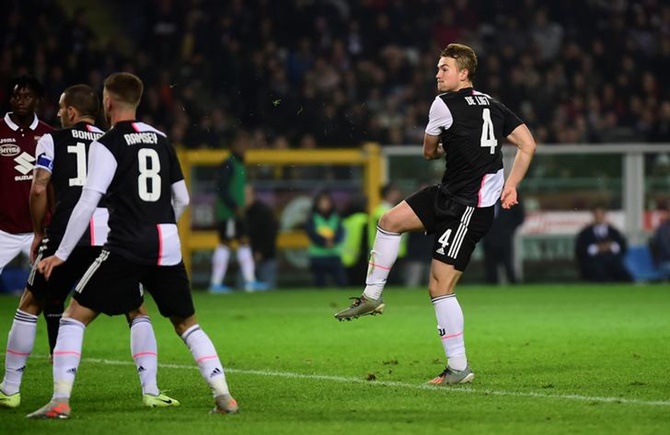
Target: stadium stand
346	72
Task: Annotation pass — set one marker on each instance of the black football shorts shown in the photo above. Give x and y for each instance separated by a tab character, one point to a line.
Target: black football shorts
457	227
64	277
112	286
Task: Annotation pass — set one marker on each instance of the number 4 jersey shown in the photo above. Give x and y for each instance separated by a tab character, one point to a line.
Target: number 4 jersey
135	166
64	154
472	127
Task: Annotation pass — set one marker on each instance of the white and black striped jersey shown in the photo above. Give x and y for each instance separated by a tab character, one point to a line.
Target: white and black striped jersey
472	127
135	165
64	153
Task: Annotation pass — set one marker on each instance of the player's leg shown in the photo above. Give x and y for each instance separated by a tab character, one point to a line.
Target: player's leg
53	312
110	286
245	257
67	356
221	257
62	280
458	231
21	338
144	350
12	245
170	288
20	344
413	214
450	323
209	364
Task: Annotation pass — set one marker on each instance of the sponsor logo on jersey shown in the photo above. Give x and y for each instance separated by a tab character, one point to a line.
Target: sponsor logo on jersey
440	251
24	164
9	150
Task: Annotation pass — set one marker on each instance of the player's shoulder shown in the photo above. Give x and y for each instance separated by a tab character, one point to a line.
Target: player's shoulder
131	130
447	96
115	133
6	125
81	130
90	128
43	127
143	127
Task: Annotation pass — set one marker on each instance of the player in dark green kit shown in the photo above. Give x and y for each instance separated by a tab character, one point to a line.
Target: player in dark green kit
231	222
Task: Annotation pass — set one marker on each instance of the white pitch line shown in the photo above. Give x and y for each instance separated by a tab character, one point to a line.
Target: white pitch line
459	389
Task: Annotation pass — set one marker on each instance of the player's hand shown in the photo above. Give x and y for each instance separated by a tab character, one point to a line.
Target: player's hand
47	265
35	247
508	199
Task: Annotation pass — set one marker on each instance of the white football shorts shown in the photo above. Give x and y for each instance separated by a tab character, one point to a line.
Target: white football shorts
13	244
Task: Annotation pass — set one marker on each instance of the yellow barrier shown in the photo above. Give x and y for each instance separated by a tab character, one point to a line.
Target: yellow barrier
369	157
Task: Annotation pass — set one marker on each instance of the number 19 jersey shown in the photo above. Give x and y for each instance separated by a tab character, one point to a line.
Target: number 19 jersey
142	166
64	154
472	127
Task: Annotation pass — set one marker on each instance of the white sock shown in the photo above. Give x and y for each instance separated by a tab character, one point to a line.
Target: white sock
384	253
220	264
450	326
145	353
67	355
19	347
246	260
203	352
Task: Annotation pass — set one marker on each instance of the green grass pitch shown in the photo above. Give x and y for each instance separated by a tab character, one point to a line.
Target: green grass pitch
548	359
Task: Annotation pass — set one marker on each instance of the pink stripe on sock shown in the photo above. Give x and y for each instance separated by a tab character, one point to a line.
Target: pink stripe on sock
206	357
452	335
145	353
67	352
377	265
13	352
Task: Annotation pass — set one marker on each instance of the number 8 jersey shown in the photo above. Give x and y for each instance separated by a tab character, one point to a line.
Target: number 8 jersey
139	166
472	127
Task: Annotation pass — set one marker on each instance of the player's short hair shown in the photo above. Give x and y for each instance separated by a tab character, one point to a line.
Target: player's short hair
84	99
465	58
27	82
126	87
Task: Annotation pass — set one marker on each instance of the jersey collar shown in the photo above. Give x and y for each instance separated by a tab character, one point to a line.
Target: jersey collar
14	126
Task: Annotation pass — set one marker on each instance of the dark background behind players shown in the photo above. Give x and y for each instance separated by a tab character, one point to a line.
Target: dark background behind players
347	73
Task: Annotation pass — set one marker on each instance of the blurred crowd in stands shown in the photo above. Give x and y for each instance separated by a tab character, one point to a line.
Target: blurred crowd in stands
336	73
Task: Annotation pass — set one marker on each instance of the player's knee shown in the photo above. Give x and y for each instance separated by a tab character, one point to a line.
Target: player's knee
30	304
136	314
181	324
389	222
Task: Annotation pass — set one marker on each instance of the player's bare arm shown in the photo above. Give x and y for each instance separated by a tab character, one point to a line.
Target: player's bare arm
522	138
431	147
38	207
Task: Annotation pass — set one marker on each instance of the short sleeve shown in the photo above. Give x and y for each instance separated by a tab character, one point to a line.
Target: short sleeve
44	153
439	118
512	121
